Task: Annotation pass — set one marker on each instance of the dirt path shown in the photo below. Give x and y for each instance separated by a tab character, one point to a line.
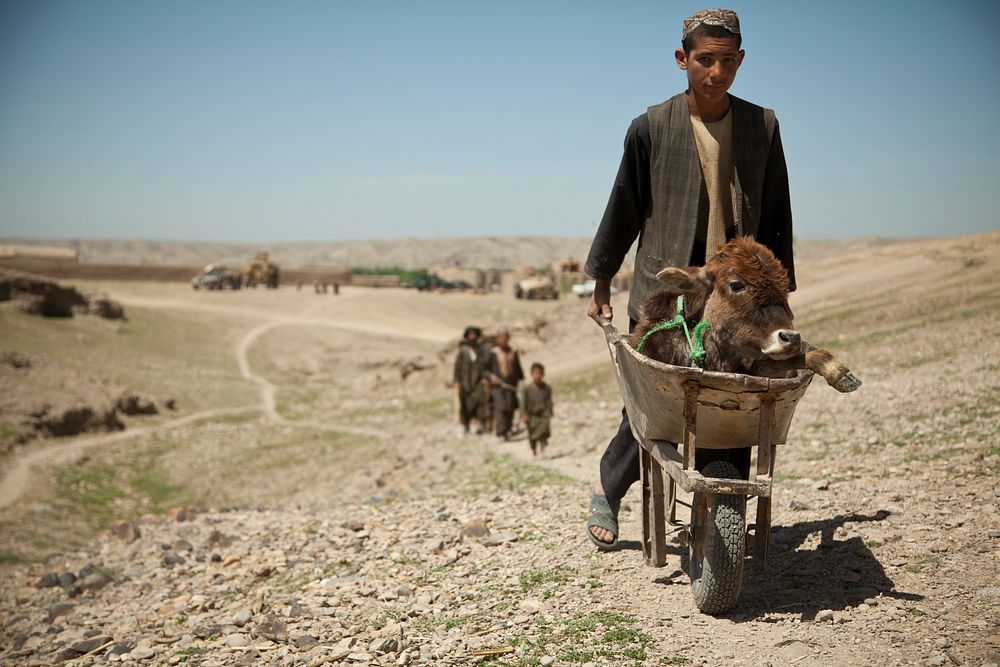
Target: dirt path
18	470
18	473
268	391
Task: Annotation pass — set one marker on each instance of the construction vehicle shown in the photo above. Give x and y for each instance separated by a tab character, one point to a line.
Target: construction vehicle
260	271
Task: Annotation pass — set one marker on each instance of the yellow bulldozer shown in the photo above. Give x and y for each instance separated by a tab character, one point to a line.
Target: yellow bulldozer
260	271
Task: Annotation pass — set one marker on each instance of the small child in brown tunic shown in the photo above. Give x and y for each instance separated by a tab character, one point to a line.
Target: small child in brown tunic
536	410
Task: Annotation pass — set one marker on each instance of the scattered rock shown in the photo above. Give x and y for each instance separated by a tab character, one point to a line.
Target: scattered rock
59	609
121	648
530	606
125	530
48	580
384	645
142	652
496	539
825	616
475	528
205	630
821	485
172	558
179	513
272	628
87	645
95	581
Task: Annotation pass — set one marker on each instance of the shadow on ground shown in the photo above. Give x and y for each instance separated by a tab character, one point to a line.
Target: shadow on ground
836	575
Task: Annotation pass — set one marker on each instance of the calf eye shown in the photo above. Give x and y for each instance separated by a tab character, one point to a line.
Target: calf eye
735	287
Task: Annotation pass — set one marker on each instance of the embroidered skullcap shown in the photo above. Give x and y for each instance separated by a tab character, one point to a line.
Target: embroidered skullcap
724	18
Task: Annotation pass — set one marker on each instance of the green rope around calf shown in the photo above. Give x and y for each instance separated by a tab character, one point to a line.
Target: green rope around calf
696	342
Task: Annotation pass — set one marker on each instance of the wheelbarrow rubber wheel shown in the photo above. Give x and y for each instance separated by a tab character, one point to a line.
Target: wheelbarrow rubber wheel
717	555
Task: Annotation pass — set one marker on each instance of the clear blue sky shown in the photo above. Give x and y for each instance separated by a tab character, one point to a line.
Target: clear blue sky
269	121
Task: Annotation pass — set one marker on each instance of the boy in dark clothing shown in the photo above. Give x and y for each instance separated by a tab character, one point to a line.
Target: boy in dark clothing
536	410
468	374
697	170
504	373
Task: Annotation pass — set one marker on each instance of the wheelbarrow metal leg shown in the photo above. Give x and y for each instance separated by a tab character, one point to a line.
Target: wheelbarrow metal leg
654	536
765	466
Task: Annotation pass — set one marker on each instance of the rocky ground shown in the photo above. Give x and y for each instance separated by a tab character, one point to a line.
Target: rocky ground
440	549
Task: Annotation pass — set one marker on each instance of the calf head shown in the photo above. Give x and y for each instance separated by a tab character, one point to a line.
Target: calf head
743	293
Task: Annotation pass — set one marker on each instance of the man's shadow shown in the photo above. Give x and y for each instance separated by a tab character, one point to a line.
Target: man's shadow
835	575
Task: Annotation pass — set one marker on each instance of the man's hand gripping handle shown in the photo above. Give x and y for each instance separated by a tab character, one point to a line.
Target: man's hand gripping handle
600	305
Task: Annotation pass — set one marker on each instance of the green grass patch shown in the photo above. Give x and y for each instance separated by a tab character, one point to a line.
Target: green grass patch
504	473
8	558
100	492
535	578
154	485
610	635
92	490
922	564
583	638
825	450
10	432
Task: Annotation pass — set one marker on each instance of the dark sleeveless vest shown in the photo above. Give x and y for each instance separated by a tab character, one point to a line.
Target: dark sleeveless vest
668	235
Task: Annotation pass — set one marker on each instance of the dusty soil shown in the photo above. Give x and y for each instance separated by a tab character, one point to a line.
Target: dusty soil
346	518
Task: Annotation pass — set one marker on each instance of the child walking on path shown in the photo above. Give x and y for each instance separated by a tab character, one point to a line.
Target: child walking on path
536	410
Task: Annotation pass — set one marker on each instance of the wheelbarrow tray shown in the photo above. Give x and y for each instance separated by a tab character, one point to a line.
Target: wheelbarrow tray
728	405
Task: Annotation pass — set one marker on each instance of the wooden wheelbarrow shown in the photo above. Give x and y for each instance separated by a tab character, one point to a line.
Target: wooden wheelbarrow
674	411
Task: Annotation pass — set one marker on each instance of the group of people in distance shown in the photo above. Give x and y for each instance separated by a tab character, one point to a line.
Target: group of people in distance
487	382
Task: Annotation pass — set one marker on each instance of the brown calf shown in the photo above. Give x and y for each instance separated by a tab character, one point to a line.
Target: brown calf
742	292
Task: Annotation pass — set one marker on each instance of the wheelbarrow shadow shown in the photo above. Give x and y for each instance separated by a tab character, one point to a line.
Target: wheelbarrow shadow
837	574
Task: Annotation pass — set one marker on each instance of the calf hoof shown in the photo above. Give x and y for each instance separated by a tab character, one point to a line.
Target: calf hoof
849	382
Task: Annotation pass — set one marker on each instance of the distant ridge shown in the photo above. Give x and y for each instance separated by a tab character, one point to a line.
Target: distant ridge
483	252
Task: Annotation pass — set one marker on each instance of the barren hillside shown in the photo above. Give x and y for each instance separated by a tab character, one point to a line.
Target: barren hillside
313	502
486	252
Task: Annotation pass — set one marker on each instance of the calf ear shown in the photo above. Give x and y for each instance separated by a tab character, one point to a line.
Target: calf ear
683	279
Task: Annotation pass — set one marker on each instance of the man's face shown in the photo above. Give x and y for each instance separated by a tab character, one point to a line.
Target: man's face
537	375
711	66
